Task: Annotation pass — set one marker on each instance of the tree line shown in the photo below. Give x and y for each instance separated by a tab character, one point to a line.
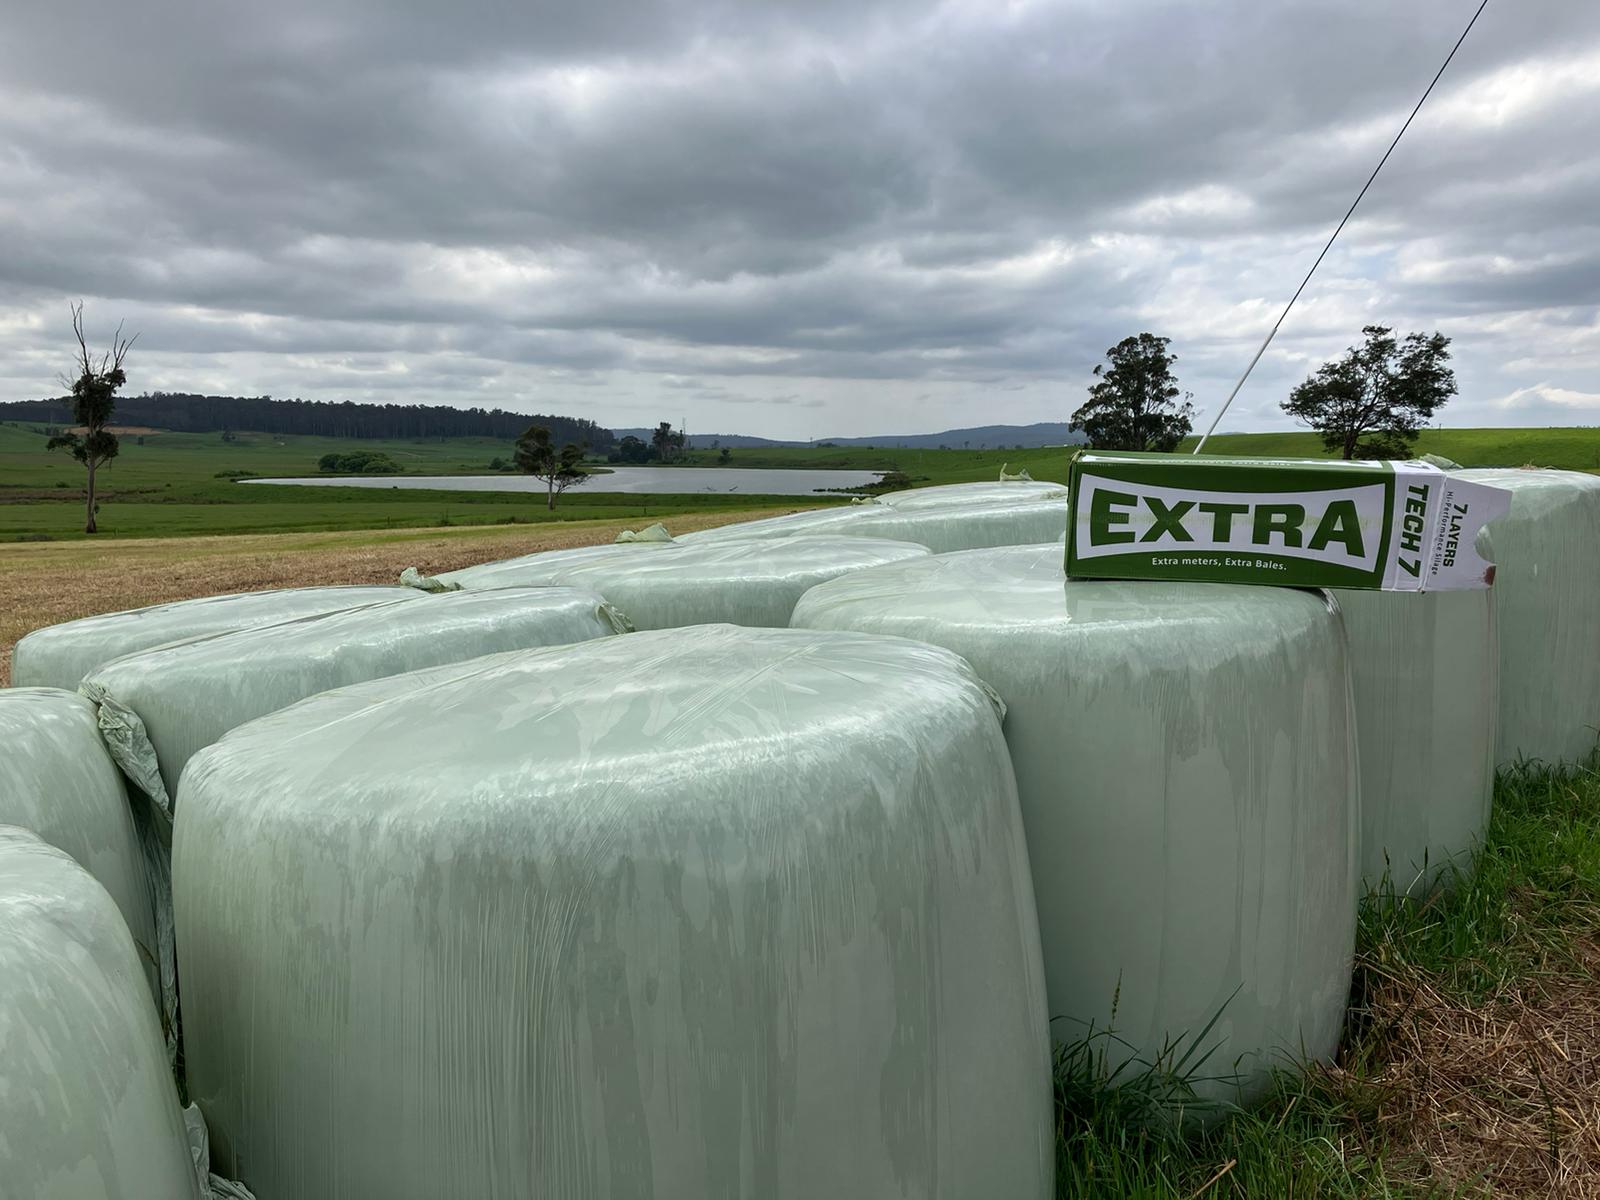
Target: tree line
185	412
1372	402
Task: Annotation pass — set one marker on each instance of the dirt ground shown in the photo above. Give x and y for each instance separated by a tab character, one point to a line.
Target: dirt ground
44	584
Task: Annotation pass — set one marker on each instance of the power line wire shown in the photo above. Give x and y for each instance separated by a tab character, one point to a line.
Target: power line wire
1213	428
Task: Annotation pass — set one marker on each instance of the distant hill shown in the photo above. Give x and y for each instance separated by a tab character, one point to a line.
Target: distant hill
707	441
988	437
984	437
185	413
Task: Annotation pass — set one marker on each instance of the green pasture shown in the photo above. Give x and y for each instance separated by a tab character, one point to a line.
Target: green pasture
181	484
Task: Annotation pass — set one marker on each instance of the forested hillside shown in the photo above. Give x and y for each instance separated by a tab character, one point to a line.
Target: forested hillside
186	413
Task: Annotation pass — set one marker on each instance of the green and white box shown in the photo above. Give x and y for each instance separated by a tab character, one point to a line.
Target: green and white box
1291	522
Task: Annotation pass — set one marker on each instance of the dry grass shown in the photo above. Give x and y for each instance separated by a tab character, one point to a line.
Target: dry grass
46	583
1499	1098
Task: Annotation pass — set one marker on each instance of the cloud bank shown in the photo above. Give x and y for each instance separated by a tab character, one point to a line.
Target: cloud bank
796	218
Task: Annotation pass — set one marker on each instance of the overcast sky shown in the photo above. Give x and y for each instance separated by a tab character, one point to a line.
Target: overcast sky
796	219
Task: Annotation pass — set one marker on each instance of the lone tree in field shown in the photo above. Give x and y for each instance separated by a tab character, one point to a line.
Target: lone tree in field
94	399
1372	402
1136	403
559	469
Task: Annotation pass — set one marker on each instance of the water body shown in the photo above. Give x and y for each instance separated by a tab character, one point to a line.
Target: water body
657	480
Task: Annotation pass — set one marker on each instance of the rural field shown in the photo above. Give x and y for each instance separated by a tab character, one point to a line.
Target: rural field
1471	1059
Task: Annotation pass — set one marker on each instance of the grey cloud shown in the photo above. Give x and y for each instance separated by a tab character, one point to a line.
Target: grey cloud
873	214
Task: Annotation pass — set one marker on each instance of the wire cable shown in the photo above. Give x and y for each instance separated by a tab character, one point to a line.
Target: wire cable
1274	333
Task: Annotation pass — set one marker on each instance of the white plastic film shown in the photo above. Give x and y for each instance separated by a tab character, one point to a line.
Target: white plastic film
941	527
1007	491
1547	597
671	584
840	520
538	569
57	780
88	1110
708	912
1185	760
161	705
1424	669
61	655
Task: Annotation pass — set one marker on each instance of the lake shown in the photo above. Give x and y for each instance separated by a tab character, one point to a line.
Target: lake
658	480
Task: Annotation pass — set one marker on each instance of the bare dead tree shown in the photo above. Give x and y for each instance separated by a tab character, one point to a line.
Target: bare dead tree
94	400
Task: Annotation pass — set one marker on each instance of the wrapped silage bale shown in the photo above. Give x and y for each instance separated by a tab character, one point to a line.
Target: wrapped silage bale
1547	597
1424	669
61	655
88	1109
1007	491
942	528
534	570
706	912
1185	761
159	706
57	780
667	585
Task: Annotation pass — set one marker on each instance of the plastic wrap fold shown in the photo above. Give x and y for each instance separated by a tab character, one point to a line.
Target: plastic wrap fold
1185	758
671	584
708	912
159	706
61	655
1547	598
57	780
1425	671
88	1110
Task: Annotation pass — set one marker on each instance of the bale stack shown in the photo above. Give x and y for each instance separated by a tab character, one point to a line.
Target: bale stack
61	655
158	707
88	1110
665	585
57	780
1547	587
1186	765
701	912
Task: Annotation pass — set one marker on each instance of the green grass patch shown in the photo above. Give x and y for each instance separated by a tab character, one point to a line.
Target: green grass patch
1467	1064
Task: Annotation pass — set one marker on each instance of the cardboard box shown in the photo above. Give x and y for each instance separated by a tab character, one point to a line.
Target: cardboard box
1290	522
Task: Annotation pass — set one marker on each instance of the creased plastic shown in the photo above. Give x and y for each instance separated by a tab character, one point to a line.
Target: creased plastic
88	1110
1185	760
708	912
1425	670
413	578
666	585
650	533
1547	597
158	707
61	655
57	780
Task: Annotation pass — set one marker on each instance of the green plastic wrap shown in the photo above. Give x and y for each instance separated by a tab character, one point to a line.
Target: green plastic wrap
941	527
159	706
1186	764
1424	670
1547	589
88	1110
708	912
57	780
61	655
532	570
664	585
1008	491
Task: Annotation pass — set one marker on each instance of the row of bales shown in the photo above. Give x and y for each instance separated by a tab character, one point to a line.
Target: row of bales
764	861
